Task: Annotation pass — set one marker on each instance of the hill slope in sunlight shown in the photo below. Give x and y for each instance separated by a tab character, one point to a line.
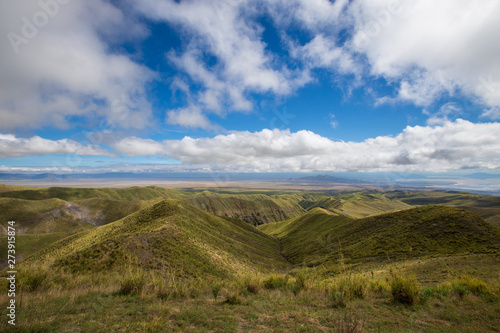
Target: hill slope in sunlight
320	236
170	236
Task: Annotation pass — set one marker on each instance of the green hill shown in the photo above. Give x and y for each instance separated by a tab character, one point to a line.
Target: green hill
113	203
319	237
357	205
252	208
170	236
45	215
73	194
41	222
486	206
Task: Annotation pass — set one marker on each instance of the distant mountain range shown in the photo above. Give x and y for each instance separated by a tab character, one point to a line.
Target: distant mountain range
329	179
108	175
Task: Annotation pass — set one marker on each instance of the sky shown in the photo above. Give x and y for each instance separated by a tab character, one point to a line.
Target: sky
250	86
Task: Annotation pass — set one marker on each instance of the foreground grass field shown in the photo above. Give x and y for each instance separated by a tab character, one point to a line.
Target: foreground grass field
258	303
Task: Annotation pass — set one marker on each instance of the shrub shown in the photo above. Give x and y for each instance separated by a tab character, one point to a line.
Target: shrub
404	290
31	280
131	285
353	287
275	282
338	299
358	287
251	286
296	288
425	294
378	286
301	280
460	290
215	290
233	299
474	286
443	290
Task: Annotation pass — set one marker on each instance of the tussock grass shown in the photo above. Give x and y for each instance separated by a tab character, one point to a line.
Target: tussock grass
404	290
161	302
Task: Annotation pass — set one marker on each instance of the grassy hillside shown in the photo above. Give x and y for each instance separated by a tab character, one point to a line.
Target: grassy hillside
56	215
319	237
486	206
12	188
114	203
41	222
170	236
450	198
357	205
252	208
60	212
73	194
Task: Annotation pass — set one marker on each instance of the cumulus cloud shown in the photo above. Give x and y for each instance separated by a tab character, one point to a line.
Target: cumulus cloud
225	30
12	146
58	62
451	146
191	117
431	47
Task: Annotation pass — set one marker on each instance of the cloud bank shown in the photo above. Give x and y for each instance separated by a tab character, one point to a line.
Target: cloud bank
451	146
12	146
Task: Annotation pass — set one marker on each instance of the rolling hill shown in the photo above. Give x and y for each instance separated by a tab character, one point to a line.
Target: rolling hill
486	206
320	236
170	236
44	215
357	205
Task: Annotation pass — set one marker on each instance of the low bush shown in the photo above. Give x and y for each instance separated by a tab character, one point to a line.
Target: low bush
337	299
32	279
296	288
466	285
275	282
251	286
131	285
404	290
233	299
215	290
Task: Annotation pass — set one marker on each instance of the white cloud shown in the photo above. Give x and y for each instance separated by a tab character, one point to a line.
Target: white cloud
227	31
431	47
333	123
64	65
445	114
322	52
190	116
12	146
451	146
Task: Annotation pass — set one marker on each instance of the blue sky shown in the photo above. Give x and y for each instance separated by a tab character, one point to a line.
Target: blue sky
249	86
